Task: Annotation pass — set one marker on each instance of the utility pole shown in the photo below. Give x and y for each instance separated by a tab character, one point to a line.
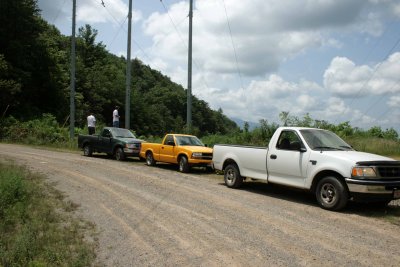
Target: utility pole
72	85
128	71
189	89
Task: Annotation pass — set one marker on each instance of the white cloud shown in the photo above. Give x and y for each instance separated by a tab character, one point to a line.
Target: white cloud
344	78
394	102
113	11
260	42
396	9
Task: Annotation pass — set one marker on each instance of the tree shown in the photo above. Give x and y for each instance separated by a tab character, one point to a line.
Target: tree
391	134
9	87
284	117
24	44
375	131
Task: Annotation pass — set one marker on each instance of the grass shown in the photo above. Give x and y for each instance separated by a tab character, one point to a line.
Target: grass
36	224
390	148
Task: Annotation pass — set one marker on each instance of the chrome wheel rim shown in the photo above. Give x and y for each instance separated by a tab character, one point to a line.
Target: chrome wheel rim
149	159
328	194
181	165
230	176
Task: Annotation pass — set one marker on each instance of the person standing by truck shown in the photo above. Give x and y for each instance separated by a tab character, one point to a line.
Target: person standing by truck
116	117
91	120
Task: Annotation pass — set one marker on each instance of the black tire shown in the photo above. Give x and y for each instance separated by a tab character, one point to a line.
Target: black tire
232	176
87	150
119	154
150	159
183	164
331	194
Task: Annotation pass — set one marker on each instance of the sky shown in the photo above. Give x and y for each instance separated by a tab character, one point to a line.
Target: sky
336	60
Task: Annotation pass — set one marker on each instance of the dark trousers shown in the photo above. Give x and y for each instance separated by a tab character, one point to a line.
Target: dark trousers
92	130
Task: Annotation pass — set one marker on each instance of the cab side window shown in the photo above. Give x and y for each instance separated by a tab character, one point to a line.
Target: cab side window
289	140
106	133
169	140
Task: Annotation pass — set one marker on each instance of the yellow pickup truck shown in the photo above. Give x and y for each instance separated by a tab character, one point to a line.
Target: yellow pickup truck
184	150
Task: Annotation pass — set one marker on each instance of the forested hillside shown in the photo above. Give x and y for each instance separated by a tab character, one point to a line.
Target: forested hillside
35	79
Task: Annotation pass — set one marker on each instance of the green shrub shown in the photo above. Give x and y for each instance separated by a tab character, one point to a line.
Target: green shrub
37	132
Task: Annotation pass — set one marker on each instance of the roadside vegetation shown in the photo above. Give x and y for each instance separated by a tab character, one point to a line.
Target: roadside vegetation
46	131
36	226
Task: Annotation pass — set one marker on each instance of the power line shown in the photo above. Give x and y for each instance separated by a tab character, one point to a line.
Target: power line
233	45
372	75
390	108
58	12
369	108
182	40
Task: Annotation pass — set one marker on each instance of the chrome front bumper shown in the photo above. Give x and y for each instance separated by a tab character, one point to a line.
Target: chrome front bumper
372	186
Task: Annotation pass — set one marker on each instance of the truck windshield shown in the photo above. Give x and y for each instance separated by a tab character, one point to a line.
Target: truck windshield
324	140
122	133
188	141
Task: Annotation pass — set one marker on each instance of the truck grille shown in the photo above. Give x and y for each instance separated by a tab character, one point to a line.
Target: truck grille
207	156
389	172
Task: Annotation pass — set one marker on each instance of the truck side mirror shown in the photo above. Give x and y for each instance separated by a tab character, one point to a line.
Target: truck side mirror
303	149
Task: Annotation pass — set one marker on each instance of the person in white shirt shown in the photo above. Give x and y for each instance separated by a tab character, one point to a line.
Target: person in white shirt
116	117
91	120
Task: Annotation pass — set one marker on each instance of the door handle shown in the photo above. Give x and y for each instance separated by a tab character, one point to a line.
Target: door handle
273	156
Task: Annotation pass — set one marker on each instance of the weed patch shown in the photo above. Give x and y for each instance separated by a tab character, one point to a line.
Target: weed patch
36	228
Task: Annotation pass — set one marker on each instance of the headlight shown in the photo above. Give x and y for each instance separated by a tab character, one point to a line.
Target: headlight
197	155
130	146
363	172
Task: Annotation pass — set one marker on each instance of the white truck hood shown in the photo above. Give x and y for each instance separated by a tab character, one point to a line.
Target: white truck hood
356	156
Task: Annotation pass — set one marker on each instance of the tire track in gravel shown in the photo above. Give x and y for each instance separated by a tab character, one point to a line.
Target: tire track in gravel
159	217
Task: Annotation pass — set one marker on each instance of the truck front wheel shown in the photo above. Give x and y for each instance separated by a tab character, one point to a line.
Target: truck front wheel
119	154
331	193
232	176
183	164
87	150
150	159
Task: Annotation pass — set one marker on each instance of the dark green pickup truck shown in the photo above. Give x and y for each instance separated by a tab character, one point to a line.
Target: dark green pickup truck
117	142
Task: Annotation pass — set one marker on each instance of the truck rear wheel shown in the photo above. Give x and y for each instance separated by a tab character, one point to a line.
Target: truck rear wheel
87	150
150	159
232	176
331	193
119	154
183	164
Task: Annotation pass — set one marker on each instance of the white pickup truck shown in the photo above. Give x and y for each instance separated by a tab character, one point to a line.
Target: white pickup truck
315	160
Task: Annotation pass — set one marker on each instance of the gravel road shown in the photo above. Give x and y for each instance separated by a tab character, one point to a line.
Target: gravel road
156	216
